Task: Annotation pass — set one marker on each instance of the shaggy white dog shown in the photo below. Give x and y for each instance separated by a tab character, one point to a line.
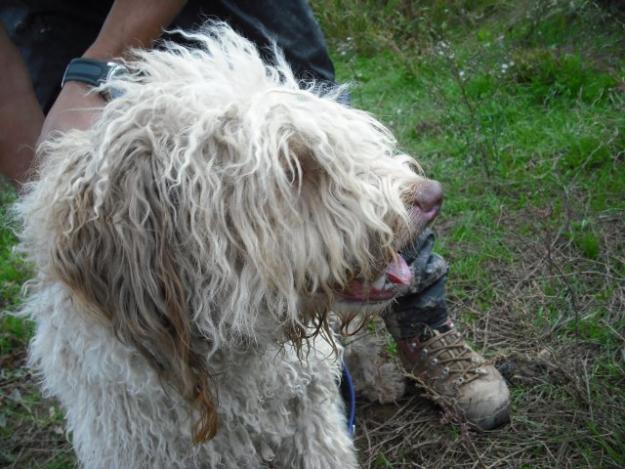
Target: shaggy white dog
189	248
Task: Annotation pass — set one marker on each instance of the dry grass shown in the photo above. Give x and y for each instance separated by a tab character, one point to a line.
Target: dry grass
532	156
566	384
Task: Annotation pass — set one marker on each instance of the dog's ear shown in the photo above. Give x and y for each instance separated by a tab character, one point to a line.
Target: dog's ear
118	252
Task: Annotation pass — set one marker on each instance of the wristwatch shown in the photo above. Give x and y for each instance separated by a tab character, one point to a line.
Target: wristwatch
94	72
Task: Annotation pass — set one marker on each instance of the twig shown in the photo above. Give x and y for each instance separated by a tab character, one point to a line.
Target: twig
587	381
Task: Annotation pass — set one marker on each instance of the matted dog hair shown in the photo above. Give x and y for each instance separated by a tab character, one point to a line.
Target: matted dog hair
212	194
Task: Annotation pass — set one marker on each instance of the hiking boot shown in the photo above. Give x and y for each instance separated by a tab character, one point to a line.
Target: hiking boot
457	377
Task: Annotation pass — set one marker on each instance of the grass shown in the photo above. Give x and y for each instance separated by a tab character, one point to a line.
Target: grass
13	273
31	427
518	109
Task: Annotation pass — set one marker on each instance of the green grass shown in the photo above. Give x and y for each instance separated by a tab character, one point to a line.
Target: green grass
13	273
516	119
518	109
31	428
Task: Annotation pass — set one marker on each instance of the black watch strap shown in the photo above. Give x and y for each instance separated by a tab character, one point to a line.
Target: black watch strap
90	71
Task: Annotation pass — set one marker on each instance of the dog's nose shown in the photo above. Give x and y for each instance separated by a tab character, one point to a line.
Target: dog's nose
428	199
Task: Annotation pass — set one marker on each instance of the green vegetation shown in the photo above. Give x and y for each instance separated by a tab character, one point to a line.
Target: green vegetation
517	107
13	273
31	428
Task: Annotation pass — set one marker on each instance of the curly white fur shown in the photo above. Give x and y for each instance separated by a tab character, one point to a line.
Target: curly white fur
188	242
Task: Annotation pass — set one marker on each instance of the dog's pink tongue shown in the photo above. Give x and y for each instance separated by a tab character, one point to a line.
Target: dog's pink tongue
398	272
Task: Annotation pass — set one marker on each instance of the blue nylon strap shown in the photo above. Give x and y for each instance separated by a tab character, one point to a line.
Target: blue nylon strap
351	415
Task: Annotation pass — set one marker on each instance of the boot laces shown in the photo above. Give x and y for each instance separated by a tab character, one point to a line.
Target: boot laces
449	350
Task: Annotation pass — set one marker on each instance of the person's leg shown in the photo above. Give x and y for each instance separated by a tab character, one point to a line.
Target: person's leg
426	294
21	116
434	352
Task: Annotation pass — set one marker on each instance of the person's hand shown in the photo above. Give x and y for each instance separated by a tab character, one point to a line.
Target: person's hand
76	107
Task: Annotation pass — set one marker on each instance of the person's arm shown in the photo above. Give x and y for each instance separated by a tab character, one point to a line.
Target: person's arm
133	23
129	24
21	117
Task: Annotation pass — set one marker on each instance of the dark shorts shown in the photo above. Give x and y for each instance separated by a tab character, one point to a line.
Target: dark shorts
49	33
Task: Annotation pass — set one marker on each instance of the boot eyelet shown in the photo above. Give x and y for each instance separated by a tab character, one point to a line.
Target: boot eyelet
459	381
425	350
446	371
434	361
